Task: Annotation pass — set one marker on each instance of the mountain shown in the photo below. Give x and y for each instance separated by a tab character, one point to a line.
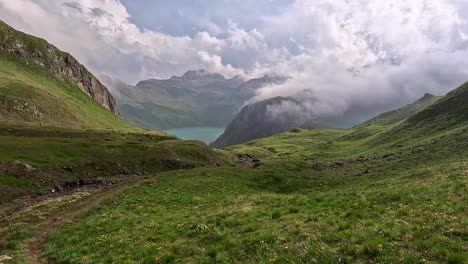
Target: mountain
398	115
43	85
59	129
452	109
197	98
38	52
305	196
255	121
449	112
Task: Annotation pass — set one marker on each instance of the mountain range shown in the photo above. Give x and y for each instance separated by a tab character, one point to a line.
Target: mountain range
195	99
257	120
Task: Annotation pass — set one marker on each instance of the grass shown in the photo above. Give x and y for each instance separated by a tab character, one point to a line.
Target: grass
67	155
317	198
27	223
398	115
31	96
375	194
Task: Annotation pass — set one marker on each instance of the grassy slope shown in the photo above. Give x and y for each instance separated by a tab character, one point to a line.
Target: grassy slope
398	115
66	136
30	95
318	197
37	53
63	155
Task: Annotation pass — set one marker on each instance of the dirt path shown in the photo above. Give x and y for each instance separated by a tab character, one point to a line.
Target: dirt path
53	222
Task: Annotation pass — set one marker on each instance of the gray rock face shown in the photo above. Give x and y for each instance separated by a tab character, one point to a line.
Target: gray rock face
38	52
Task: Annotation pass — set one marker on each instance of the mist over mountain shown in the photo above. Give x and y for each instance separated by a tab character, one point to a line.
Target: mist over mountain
195	99
281	114
350	54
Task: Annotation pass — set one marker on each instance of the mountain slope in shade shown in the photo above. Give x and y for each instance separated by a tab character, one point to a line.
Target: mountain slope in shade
196	99
452	109
256	121
40	84
449	112
400	114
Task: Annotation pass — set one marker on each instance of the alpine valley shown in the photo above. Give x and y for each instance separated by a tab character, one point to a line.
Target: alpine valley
86	177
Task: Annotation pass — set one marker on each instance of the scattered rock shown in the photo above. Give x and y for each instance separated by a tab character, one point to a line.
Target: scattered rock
57	186
25	166
4	258
340	163
100	180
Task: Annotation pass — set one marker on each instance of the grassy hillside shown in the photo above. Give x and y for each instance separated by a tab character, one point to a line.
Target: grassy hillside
398	115
322	196
37	160
450	113
37	53
453	108
256	121
31	95
57	126
317	197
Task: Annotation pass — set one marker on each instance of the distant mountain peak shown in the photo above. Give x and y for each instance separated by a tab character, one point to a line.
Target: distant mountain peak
199	74
195	73
428	95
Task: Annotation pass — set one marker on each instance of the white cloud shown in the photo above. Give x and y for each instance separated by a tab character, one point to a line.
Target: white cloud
376	54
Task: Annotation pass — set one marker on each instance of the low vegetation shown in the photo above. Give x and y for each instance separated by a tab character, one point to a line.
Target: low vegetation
317	198
39	160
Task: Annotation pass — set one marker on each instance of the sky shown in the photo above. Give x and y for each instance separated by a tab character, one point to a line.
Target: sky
338	54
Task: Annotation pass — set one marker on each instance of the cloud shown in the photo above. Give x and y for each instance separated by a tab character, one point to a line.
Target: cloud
368	54
338	54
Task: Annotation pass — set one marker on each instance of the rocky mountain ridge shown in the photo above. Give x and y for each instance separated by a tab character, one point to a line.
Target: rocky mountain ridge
39	53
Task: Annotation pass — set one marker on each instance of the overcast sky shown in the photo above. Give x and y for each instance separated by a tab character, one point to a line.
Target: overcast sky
338	53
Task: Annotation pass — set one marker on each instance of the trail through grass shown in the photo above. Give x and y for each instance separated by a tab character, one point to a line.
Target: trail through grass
316	198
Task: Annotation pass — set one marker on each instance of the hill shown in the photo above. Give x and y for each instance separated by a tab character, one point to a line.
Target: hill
197	98
453	109
256	121
42	85
322	196
398	115
59	127
450	113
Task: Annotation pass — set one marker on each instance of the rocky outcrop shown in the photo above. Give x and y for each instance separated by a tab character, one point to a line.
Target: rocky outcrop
38	52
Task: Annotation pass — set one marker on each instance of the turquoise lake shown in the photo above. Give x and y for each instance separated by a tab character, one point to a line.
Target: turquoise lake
205	134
